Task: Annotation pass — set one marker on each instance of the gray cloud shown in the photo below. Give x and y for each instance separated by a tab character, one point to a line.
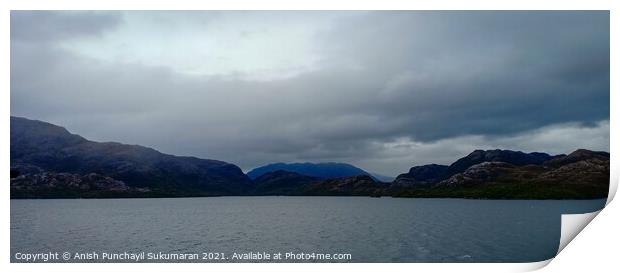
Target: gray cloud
387	89
44	26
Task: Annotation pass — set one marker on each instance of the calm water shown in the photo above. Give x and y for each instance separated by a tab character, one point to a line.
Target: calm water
370	229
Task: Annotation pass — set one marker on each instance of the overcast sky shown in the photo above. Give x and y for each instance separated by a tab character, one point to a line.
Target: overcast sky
381	90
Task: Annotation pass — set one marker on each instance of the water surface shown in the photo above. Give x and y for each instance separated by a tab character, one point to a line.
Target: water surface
370	229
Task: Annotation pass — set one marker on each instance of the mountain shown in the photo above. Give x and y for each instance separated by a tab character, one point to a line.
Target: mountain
581	167
289	183
430	174
490	172
421	176
282	183
576	156
320	170
47	161
513	157
56	150
582	174
361	185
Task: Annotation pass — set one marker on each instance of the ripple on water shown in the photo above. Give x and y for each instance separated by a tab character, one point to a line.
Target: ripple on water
371	229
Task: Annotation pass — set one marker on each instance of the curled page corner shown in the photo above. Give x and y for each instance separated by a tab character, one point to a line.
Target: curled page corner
613	184
528	267
572	224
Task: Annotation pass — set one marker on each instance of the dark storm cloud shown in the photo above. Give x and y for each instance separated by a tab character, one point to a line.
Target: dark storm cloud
388	85
455	73
43	26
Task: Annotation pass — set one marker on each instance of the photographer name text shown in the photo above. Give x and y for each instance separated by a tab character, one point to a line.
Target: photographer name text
95	256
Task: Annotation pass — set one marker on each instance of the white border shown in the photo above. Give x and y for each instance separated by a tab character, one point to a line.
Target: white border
576	258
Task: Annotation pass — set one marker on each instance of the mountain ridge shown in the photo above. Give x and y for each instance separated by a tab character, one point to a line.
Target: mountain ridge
48	161
322	169
55	149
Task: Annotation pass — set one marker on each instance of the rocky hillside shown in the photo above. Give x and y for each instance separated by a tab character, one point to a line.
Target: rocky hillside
362	185
47	161
431	174
512	157
54	149
66	185
581	174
